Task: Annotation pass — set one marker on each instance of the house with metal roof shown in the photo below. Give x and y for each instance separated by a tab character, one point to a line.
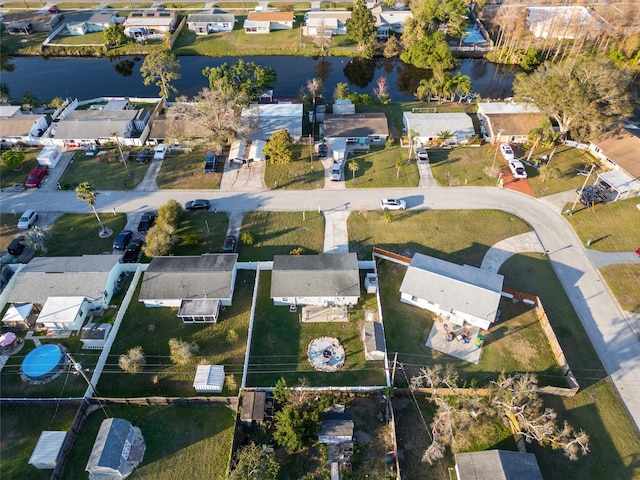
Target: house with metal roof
429	127
45	455
266	22
207	22
324	279
269	118
150	23
508	121
197	285
497	465
456	293
362	129
119	448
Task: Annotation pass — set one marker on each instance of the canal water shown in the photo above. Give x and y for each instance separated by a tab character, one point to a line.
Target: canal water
93	77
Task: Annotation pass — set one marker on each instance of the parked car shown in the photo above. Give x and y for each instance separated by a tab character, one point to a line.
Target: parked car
27	219
336	172
507	152
229	244
210	163
160	151
517	169
392	204
36	176
16	246
590	197
322	150
122	240
198	204
144	156
54	9
132	252
422	154
147	221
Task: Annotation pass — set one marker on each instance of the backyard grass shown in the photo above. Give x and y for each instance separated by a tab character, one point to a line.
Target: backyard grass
77	6
23	5
299	174
91	38
181	441
433	233
74	234
278	233
102	174
221	343
200	232
184	170
9	176
377	169
612	227
21	428
280	341
624	282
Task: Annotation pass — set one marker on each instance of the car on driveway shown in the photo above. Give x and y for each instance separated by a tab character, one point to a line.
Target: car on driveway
36	176
229	244
422	154
144	156
16	246
507	152
122	240
517	169
210	163
198	204
132	252
54	9
322	150
27	219
147	221
392	204
336	172
160	151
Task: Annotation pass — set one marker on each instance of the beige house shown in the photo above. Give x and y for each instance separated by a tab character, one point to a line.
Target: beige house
265	22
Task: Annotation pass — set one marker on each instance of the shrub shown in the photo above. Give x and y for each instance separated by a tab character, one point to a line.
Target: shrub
133	361
297	251
247	238
181	352
230	382
232	336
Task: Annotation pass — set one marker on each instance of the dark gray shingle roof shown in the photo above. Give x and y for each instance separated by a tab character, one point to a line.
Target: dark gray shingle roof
107	449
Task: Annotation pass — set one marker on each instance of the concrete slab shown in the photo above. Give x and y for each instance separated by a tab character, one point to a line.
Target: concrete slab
456	347
336	239
603	259
501	251
426	176
243	177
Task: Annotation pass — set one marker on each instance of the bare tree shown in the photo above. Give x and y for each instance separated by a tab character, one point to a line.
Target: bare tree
133	361
182	352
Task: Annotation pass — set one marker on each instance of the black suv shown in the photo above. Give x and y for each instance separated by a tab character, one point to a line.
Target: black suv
16	247
147	221
144	156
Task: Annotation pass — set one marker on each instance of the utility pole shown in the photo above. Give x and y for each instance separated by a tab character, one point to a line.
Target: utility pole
78	368
582	188
495	154
393	369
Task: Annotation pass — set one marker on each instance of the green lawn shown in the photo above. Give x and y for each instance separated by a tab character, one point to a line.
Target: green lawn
74	234
377	169
299	174
200	232
9	176
103	173
151	329
186	171
461	166
433	233
280	341
181	441
90	38
612	227
278	233
624	282
21	428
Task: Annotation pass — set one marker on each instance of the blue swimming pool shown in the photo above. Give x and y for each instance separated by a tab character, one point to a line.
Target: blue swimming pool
472	35
41	361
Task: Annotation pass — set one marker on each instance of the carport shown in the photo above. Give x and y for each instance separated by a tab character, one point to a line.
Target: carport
621	183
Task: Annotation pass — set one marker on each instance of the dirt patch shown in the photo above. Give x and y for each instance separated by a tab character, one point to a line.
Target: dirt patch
525	351
362	437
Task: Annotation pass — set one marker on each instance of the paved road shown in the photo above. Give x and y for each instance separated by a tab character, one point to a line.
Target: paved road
607	326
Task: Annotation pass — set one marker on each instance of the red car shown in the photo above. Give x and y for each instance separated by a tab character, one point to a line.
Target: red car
53	9
36	176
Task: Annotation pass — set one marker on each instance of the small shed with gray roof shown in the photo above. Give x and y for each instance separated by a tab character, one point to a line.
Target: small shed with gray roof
118	450
497	465
457	293
196	285
324	279
373	339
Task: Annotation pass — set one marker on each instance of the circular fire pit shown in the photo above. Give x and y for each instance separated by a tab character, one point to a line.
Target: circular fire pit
326	354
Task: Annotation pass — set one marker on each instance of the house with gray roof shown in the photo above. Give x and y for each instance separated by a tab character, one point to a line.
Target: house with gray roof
336	428
267	119
118	450
429	127
212	21
150	23
361	129
197	285
497	465
24	23
324	279
80	23
325	23
456	293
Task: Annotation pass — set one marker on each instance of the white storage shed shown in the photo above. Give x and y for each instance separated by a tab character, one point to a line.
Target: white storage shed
209	379
45	455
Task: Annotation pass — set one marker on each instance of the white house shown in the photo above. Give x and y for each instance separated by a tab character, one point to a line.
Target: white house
266	22
198	285
429	127
456	293
269	118
212	21
389	21
64	313
497	465
87	22
318	23
324	279
45	455
150	23
363	129
118	450
16	126
508	121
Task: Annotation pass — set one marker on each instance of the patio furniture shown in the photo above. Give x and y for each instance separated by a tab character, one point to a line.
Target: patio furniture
479	340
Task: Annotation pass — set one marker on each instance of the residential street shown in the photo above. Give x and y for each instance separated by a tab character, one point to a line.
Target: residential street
610	331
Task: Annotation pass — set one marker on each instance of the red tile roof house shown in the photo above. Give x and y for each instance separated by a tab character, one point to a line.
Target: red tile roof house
265	22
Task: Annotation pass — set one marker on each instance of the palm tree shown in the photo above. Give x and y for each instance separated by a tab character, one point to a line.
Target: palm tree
314	86
124	160
444	136
87	193
399	166
353	166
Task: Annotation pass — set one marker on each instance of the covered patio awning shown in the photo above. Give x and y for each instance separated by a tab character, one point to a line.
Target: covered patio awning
621	182
203	310
62	313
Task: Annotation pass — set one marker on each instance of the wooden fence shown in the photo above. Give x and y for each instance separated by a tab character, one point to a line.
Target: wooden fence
231	402
387	255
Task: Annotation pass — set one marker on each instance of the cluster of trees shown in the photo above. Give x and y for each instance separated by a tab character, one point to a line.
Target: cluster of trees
514	401
162	236
444	86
